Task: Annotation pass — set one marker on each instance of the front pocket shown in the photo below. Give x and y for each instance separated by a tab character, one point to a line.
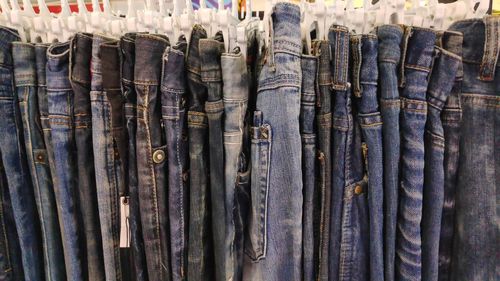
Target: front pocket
256	241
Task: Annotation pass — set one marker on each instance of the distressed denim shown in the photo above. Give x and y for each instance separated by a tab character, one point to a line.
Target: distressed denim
389	53
476	238
308	137
274	241
80	77
451	116
342	130
210	51
151	155
235	95
107	126
60	105
364	81
25	76
138	256
200	253
324	155
444	70
173	101
418	45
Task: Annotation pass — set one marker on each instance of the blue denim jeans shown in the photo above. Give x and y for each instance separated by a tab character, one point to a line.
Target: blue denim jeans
324	155
476	247
151	154
80	77
389	53
60	106
200	258
138	256
173	101
364	85
451	117
25	75
105	130
444	70
274	241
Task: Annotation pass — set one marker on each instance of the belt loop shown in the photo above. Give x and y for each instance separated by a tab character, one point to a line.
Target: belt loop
491	48
404	48
271	42
356	64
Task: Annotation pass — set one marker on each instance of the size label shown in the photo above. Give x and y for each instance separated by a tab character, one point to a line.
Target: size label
124	222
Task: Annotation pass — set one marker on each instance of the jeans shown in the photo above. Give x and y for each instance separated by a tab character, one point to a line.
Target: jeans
451	117
236	92
25	75
173	101
60	106
107	128
151	154
324	155
476	239
441	80
274	241
210	51
138	256
418	45
365	78
80	77
200	256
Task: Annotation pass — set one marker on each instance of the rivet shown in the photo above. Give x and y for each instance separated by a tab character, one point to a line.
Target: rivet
358	189
39	157
158	156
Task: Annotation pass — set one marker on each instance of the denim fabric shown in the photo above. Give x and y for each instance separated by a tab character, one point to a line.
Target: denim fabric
476	238
151	155
173	101
342	129
25	76
451	116
200	258
418	45
107	124
80	56
444	70
308	137
364	81
210	51
60	106
11	265
324	155
235	93
389	53
128	88
274	241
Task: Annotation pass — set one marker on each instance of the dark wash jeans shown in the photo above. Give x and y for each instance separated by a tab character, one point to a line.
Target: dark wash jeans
389	54
173	101
25	75
444	70
200	253
15	164
274	242
60	106
451	117
152	154
138	256
308	137
80	78
364	85
324	155
418	46
476	239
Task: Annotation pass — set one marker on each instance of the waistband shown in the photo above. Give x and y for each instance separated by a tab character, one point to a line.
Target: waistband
58	66
41	62
452	41
97	41
235	76
444	71
80	56
7	36
390	38
481	43
149	49
418	46
193	64
210	53
339	45
364	49
173	80
285	29
23	55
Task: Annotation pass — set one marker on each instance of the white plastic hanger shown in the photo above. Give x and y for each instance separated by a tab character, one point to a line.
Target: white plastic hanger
149	17
97	21
241	28
206	18
58	25
227	23
22	19
41	22
4	5
186	21
80	21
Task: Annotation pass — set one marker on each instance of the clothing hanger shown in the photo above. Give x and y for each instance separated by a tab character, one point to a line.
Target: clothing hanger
97	23
58	25
149	17
206	18
227	22
79	21
21	20
241	28
41	22
186	21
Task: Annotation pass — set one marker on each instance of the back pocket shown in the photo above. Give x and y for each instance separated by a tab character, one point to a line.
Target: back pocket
256	242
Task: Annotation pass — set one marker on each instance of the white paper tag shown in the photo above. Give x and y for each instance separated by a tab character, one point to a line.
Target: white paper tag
124	222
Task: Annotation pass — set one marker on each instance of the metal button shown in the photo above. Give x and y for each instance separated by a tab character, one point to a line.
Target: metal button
158	156
39	157
358	189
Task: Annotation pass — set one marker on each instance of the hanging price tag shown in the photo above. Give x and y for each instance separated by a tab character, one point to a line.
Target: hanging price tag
124	222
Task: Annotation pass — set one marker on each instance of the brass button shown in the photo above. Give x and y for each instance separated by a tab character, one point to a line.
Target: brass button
39	157
358	189
158	156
